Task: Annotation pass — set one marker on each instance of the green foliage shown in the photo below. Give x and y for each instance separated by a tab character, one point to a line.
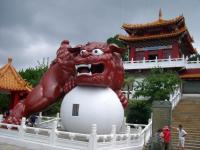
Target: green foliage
128	83
33	75
53	109
115	40
4	102
138	112
194	57
157	85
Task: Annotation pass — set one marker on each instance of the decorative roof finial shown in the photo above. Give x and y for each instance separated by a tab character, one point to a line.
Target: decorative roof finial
160	14
9	60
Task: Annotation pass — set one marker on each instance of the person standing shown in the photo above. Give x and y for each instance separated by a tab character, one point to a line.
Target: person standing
167	137
181	136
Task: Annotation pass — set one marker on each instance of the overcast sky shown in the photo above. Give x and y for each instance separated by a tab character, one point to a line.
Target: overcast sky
33	29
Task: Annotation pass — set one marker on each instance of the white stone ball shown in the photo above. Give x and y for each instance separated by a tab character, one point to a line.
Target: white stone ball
97	105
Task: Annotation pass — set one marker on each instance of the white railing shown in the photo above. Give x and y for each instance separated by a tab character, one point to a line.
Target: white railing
47	122
163	63
175	97
55	139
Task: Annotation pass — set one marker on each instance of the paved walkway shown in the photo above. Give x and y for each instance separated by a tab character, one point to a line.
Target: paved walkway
4	146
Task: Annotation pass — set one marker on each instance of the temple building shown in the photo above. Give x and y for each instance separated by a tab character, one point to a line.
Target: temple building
161	38
12	83
162	43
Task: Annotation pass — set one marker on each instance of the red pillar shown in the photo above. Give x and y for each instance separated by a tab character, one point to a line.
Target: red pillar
132	53
175	50
14	100
146	55
160	54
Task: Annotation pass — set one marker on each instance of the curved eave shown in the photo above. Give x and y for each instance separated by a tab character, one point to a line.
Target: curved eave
19	85
157	23
190	76
151	37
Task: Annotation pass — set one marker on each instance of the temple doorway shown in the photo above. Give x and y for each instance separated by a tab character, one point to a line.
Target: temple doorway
152	56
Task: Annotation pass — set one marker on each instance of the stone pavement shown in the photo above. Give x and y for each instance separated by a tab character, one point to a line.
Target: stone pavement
4	146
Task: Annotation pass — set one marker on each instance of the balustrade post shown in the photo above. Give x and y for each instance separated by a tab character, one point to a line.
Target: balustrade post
145	134
93	138
144	61
22	127
128	132
186	58
58	115
39	119
183	57
1	118
132	60
156	60
53	134
197	60
169	58
113	134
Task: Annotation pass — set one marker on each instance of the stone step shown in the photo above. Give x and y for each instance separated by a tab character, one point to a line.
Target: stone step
188	141
187	113
174	147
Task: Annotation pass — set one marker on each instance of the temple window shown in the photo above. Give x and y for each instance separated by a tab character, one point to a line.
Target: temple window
139	56
166	53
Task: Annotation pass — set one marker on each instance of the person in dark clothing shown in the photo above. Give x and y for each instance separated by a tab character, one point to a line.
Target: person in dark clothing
32	120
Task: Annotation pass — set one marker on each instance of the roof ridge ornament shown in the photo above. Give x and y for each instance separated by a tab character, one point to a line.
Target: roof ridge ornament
160	14
10	60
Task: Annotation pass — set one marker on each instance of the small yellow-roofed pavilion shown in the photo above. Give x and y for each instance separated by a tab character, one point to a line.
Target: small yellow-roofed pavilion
11	82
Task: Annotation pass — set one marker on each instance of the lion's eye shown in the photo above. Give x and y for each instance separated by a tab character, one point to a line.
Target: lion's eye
97	52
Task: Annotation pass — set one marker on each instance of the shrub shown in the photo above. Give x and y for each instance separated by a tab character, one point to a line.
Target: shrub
138	112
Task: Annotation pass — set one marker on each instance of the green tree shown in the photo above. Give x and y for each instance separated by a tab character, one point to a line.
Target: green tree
4	102
157	85
34	74
138	112
194	57
115	40
128	83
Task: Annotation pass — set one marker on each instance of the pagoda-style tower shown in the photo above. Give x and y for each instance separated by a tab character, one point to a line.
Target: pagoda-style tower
11	82
158	39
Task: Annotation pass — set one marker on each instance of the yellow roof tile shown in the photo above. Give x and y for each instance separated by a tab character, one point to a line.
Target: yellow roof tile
147	37
159	22
11	80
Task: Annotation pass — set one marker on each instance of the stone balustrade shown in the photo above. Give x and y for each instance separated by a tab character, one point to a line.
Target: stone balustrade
162	63
54	139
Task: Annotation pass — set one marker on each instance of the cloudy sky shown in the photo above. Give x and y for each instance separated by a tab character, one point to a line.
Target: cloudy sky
31	30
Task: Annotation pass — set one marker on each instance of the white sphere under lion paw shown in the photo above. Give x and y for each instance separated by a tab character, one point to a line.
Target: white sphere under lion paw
84	106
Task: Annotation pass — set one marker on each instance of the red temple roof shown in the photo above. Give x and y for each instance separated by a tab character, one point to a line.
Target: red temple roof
190	74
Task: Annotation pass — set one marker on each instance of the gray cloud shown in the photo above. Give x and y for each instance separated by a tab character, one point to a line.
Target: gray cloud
31	30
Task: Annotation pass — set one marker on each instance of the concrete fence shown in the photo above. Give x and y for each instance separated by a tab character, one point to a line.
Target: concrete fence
135	137
163	63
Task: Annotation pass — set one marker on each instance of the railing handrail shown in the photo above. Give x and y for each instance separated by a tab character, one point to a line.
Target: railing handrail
181	62
93	139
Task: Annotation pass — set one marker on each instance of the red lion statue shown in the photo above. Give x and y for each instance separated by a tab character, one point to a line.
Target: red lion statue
94	64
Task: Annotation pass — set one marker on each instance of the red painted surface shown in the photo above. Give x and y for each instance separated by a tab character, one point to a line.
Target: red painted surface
160	54
106	68
146	55
175	50
189	71
132	53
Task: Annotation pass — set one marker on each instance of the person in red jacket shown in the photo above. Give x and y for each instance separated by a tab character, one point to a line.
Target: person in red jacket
167	137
